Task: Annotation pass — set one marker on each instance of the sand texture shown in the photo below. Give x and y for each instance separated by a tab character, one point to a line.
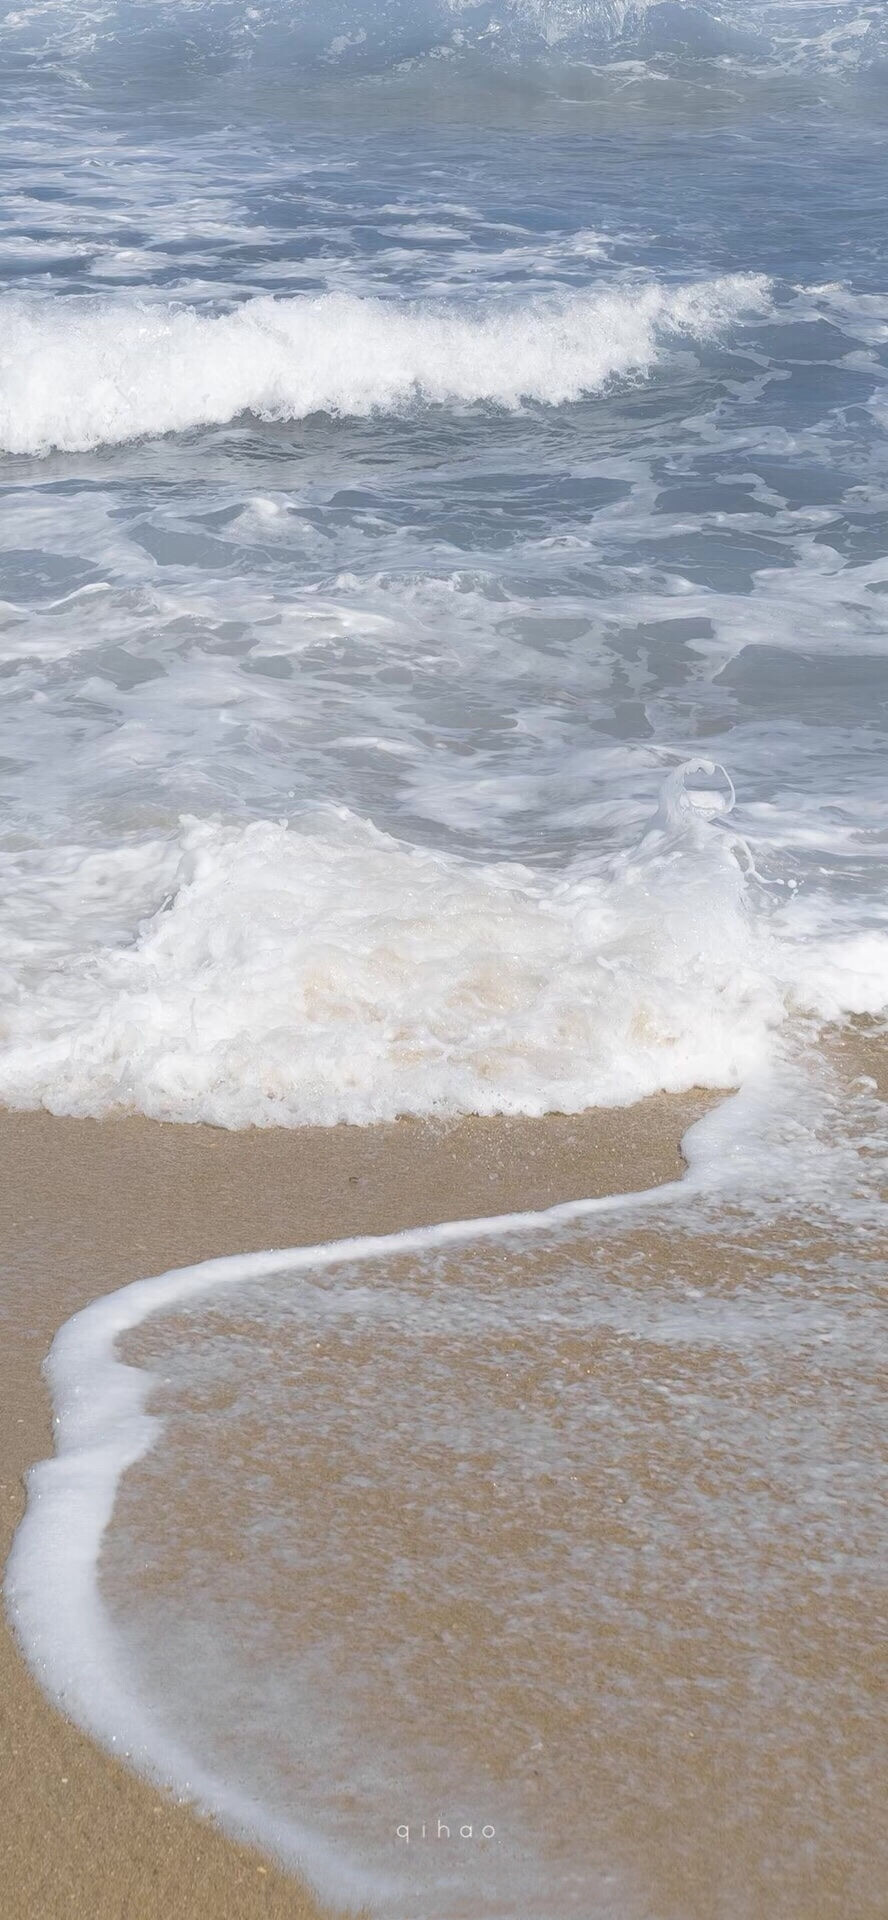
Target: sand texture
87	1206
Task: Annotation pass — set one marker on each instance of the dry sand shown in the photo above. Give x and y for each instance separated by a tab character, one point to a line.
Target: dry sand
87	1206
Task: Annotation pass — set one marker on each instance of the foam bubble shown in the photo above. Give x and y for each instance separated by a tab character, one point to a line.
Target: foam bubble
83	373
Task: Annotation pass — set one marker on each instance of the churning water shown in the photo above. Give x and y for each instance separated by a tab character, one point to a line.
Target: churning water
394	500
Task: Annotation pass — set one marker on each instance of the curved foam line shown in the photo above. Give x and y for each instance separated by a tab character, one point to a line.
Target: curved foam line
101	1428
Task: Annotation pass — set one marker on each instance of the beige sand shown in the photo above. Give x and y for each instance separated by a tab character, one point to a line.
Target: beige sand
85	1207
580	1535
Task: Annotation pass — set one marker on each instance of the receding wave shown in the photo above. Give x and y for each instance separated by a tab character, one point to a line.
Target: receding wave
77	374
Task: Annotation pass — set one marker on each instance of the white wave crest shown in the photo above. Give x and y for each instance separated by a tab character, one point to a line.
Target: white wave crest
265	974
77	374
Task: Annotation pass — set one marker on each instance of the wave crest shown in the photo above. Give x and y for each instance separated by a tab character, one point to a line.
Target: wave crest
77	374
265	974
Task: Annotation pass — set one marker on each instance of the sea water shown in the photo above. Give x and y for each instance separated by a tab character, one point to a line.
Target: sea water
443	636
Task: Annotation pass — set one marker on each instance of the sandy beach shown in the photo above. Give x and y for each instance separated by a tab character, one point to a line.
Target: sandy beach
87	1206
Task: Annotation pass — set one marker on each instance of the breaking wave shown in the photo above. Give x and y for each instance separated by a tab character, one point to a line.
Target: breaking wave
266	974
77	374
295	975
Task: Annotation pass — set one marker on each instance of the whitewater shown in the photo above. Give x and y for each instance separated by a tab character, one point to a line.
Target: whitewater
443	672
118	372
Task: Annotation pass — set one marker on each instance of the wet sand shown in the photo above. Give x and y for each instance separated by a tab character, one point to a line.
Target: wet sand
579	1533
87	1206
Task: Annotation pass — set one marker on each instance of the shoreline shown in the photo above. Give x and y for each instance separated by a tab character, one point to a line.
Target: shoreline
86	1206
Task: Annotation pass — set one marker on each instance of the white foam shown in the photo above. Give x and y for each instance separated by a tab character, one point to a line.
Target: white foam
101	1429
747	1149
81	373
266	974
307	974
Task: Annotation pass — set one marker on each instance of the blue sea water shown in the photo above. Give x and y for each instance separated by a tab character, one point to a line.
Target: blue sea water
441	423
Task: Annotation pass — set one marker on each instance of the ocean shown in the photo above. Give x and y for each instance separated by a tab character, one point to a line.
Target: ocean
444	672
